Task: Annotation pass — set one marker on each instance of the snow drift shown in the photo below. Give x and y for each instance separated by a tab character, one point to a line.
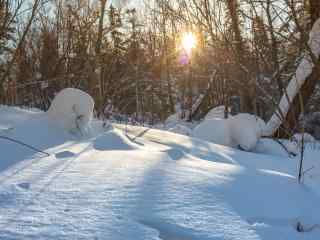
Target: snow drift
174	187
172	120
72	109
243	130
113	140
181	129
214	130
282	148
246	130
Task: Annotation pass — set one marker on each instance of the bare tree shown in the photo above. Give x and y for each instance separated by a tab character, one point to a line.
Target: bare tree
247	89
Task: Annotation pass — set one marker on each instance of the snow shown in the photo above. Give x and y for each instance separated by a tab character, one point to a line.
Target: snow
214	130
217	112
307	138
72	109
246	130
242	130
127	182
173	120
181	129
311	124
175	124
282	148
303	71
13	115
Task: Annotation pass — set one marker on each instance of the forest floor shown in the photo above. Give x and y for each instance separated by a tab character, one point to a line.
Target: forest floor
126	182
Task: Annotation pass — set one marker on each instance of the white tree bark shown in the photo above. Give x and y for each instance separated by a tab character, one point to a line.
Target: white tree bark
304	69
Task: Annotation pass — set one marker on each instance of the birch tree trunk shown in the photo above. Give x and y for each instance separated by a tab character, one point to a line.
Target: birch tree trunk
302	84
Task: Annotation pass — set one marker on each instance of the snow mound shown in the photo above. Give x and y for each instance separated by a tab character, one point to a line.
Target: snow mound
113	140
175	124
214	130
296	141
307	138
280	148
243	130
246	130
72	109
283	148
217	112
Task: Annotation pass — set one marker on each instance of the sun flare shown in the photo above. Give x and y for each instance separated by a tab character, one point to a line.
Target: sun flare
189	41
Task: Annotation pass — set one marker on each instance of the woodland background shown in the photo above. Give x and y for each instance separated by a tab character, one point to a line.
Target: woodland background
128	56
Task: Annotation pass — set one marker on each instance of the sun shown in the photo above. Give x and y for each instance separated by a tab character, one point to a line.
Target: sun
189	41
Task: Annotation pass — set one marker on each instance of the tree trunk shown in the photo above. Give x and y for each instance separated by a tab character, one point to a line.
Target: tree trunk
274	47
98	61
314	9
293	114
306	90
167	65
247	87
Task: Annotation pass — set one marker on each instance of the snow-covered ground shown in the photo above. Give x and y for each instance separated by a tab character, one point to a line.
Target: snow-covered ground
140	183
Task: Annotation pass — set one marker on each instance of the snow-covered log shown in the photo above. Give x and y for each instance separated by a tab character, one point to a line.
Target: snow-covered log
72	109
305	70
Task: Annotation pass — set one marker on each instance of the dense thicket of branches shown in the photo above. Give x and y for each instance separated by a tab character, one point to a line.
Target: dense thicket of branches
129	57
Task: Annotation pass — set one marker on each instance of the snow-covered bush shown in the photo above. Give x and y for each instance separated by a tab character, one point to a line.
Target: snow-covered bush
72	109
242	130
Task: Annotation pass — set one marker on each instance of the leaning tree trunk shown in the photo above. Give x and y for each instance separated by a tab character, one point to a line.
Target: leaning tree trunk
295	109
299	90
